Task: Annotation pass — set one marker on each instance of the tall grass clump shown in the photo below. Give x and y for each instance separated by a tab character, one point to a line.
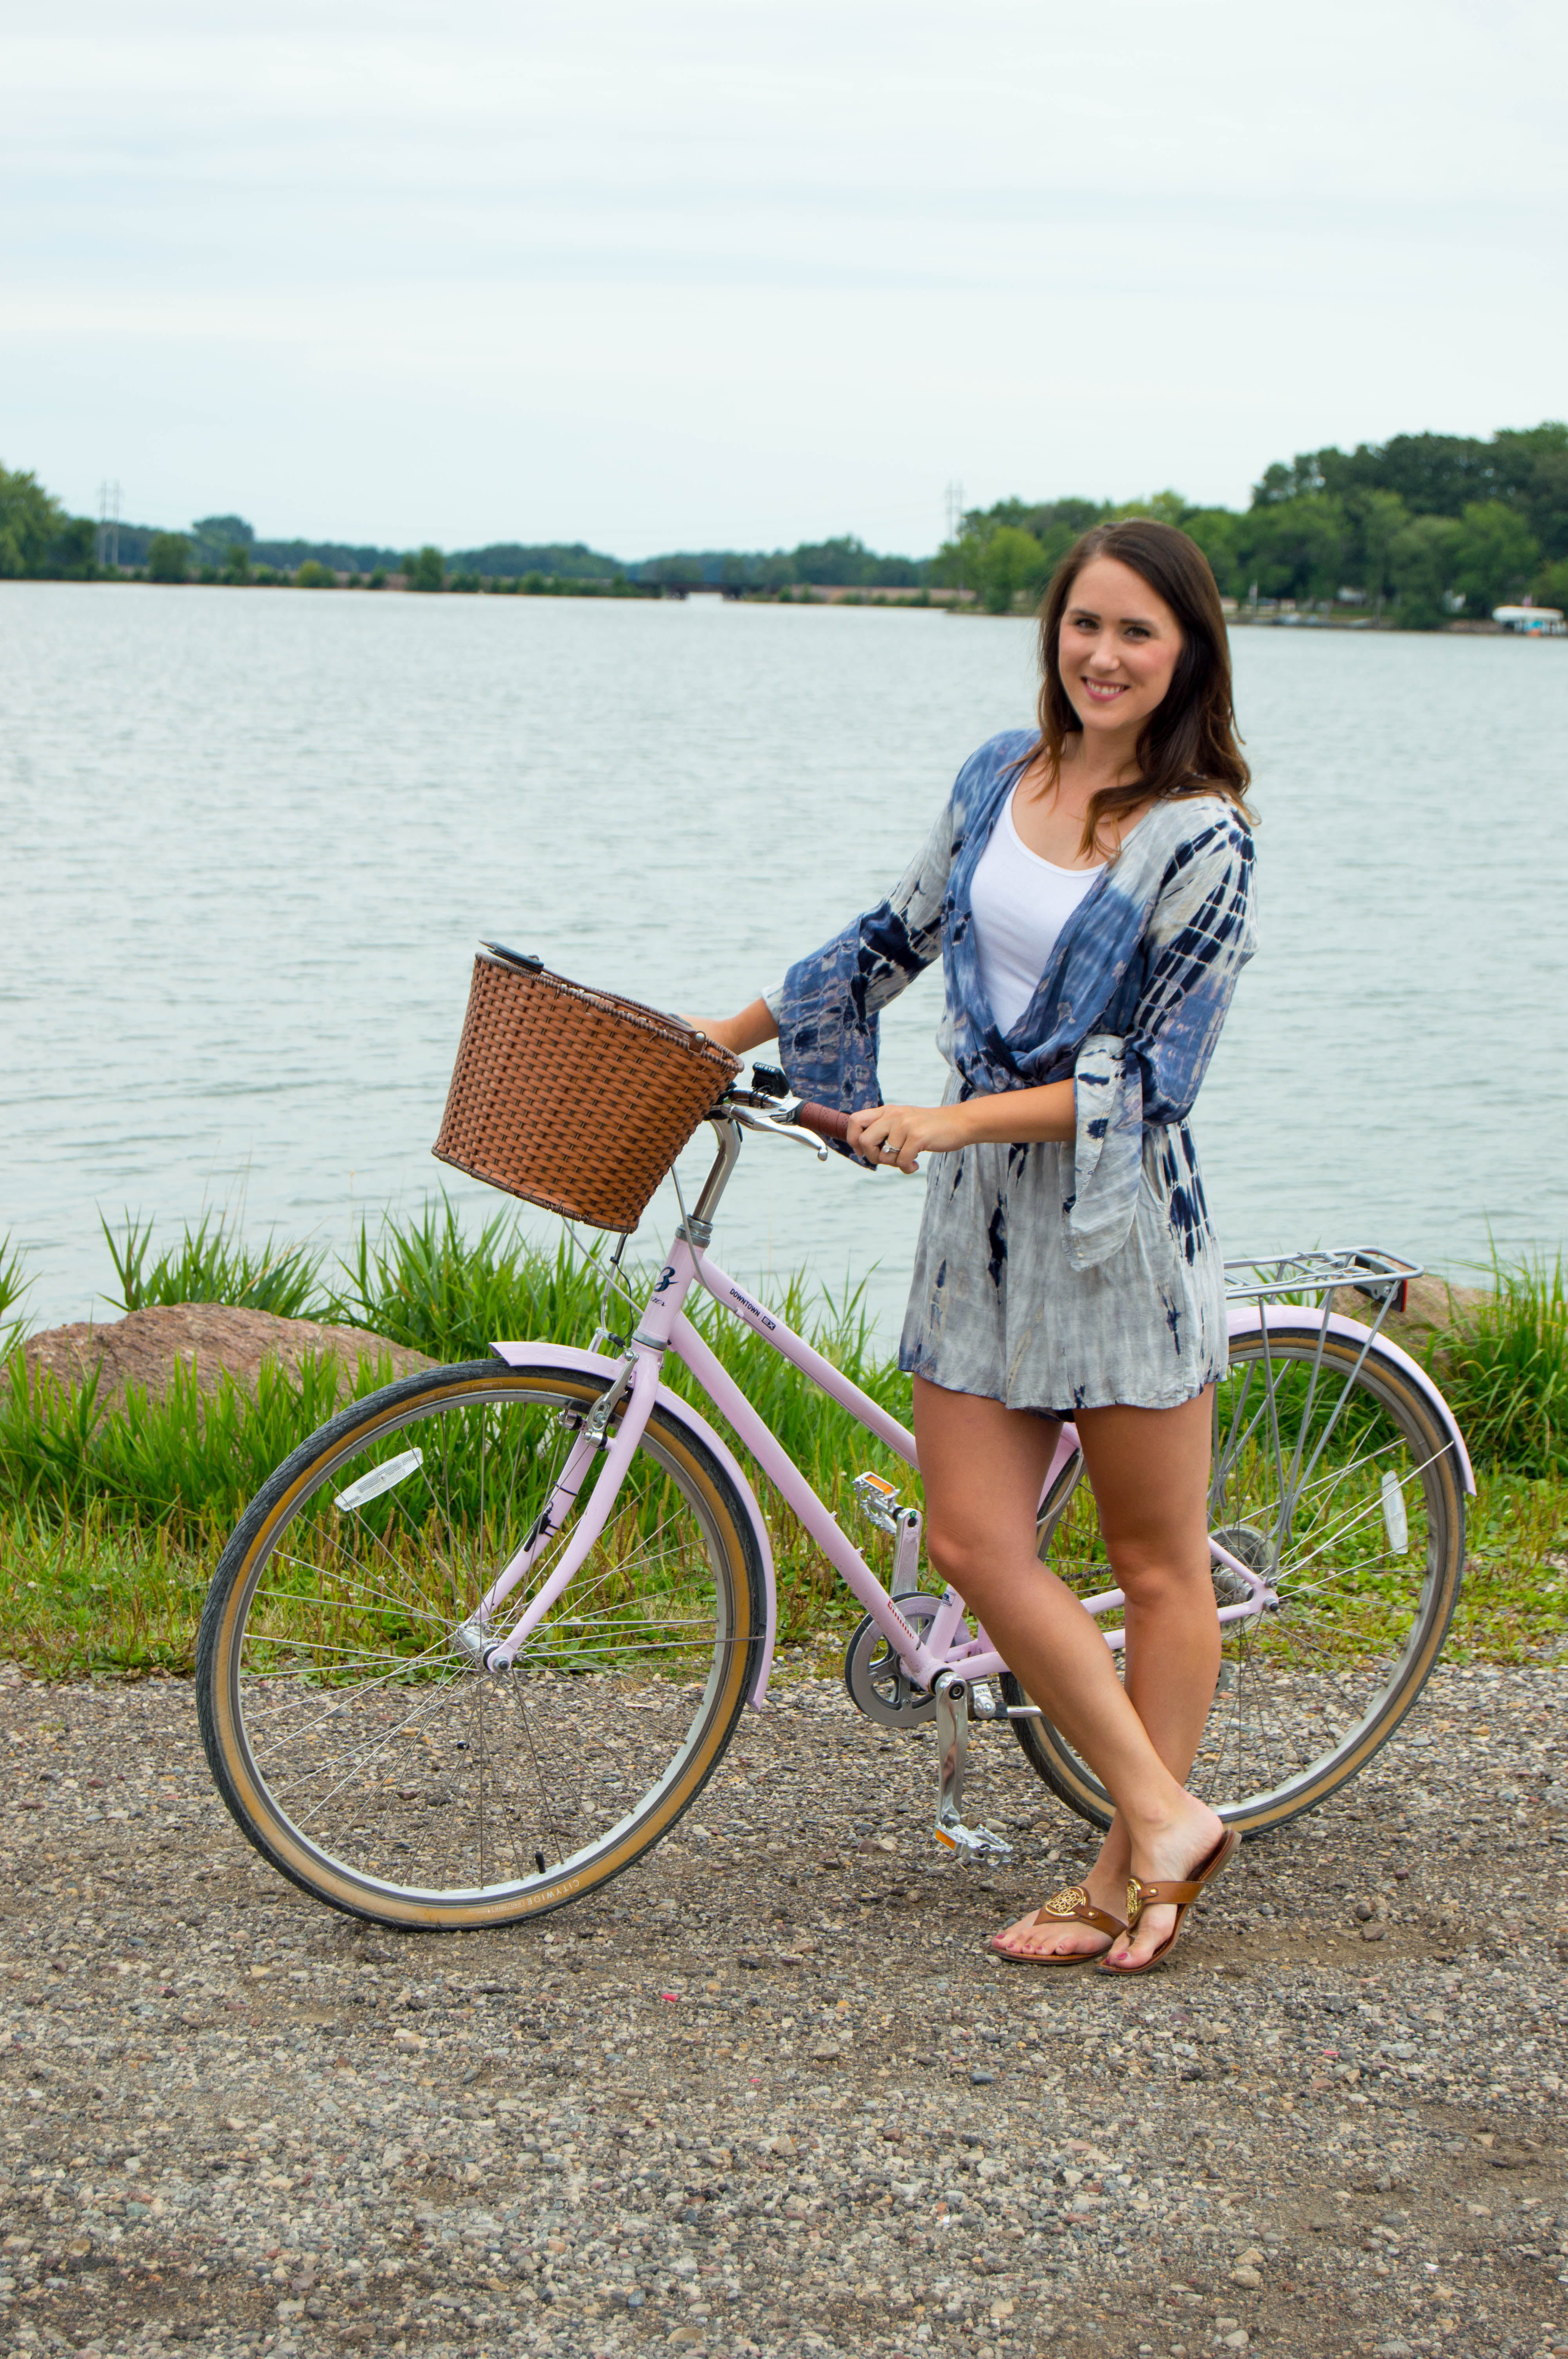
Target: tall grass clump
426	1284
13	1286
211	1265
1504	1370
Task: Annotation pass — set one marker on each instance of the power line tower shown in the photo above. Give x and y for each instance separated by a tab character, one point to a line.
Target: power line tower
109	527
954	510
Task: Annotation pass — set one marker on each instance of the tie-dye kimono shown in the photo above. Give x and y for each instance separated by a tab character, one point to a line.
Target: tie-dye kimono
1055	1277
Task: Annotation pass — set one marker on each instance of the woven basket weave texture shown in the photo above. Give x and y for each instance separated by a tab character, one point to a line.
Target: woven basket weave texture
571	1098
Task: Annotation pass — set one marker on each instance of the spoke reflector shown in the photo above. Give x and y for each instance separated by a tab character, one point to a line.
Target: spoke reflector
1395	1521
379	1479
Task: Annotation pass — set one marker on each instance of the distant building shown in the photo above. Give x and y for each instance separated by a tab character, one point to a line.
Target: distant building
1533	621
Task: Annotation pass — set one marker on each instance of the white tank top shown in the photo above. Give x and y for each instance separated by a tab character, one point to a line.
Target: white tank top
1020	904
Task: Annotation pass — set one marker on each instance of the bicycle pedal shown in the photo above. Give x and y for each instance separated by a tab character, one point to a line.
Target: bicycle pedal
877	1499
973	1846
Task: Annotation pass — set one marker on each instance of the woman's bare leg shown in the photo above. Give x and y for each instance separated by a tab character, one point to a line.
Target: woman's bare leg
984	1467
1149	1469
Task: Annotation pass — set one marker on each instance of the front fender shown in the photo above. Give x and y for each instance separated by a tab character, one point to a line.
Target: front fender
595	1364
1246	1318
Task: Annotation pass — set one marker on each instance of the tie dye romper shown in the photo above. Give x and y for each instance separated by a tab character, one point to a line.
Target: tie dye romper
1051	1277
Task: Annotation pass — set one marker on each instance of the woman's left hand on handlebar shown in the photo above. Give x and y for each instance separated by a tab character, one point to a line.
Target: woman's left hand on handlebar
894	1135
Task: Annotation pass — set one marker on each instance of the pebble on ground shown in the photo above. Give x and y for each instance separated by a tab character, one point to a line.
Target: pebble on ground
770	2094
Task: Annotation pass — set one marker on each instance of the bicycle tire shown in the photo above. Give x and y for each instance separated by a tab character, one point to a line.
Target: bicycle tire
1395	1433
332	1690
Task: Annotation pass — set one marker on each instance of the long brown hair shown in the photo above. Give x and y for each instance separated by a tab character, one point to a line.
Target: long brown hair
1188	745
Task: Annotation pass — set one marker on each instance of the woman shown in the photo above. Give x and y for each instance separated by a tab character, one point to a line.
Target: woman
1089	887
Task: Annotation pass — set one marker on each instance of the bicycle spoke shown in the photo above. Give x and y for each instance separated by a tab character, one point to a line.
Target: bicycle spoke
371	1749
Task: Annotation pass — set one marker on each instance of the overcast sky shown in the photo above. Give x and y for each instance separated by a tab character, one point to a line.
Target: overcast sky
699	275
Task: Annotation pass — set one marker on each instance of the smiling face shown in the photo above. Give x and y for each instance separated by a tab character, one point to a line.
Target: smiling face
1116	649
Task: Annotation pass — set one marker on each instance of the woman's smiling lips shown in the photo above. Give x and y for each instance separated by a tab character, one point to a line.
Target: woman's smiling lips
1104	691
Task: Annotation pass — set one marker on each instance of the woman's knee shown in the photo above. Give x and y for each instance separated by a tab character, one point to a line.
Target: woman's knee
946	1549
979	1563
959	1554
1151	1576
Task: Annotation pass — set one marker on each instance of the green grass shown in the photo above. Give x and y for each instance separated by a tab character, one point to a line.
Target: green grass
13	1286
85	1496
187	1462
1513	1605
210	1265
1504	1368
80	1596
424	1283
109	1525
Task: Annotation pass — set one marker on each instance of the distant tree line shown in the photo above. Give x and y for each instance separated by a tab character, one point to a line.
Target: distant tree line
36	537
39	540
1426	527
845	563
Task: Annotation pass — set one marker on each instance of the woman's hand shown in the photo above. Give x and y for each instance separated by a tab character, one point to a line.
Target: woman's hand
894	1135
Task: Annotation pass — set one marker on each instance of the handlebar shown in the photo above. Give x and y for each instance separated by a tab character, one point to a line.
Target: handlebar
826	1121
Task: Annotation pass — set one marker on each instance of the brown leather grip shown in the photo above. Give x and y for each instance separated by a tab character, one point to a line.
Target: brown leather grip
826	1121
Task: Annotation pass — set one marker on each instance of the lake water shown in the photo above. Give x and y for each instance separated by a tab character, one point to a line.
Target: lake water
251	840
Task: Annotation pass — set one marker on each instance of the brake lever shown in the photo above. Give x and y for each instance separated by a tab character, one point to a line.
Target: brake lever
749	1119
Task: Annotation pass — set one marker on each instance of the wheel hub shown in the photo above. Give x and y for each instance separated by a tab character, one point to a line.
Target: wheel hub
1249	1545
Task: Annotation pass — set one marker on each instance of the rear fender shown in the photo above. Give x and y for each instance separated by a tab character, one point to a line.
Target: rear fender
568	1358
1247	1318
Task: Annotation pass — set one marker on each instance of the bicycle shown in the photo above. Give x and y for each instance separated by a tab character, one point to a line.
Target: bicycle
446	1680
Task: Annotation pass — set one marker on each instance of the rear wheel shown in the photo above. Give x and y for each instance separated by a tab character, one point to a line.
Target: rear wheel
1334	1478
361	1747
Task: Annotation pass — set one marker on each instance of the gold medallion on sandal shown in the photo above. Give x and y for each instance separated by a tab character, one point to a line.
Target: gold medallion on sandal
1064	1903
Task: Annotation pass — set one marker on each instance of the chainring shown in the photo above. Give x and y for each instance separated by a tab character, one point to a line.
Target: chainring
878	1684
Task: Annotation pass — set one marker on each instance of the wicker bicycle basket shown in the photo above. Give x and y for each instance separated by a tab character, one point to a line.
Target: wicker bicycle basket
572	1098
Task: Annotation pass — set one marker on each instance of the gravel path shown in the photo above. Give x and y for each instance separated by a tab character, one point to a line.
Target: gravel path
770	2094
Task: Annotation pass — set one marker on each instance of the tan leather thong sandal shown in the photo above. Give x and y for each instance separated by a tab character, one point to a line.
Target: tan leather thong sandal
1140	1895
1071	1905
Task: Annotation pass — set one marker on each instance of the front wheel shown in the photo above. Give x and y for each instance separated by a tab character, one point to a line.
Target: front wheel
1333	1477
357	1743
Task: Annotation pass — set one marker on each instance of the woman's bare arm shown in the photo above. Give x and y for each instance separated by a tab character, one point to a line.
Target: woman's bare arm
752	1028
898	1134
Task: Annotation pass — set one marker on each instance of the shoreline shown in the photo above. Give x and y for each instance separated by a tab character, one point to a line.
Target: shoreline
955	603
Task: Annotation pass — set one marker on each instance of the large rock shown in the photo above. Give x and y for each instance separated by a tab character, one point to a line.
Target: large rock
145	1348
1431	1304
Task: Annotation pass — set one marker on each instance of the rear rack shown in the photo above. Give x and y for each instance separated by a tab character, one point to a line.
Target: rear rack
1311	1278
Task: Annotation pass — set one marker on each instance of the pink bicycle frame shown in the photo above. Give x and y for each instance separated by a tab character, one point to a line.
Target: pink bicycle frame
663	1327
